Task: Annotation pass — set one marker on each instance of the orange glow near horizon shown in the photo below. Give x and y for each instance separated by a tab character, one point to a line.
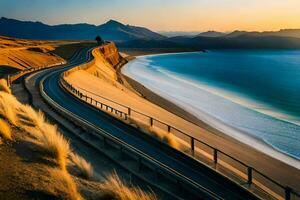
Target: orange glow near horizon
164	15
255	15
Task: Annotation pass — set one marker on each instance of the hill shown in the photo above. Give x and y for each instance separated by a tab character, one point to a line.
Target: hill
295	33
112	30
211	34
243	41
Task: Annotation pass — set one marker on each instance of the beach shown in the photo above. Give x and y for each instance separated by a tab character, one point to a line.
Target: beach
134	95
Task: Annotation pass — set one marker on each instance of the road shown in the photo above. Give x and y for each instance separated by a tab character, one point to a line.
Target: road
175	160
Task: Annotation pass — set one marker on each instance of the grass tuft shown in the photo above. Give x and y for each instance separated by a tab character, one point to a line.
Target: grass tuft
85	168
67	184
4	86
27	116
8	106
165	137
5	131
114	188
53	143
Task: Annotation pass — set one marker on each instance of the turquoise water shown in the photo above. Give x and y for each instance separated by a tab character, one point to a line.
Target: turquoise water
255	92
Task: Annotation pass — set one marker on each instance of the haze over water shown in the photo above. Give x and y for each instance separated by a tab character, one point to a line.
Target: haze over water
256	92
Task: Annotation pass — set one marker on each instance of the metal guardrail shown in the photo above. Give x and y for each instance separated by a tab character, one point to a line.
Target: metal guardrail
13	77
123	145
241	173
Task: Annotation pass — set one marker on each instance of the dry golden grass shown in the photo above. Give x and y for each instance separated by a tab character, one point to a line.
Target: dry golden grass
44	134
67	183
53	143
84	167
5	131
26	118
8	106
167	138
114	188
4	86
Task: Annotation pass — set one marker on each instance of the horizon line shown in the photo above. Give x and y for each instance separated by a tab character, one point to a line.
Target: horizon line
158	31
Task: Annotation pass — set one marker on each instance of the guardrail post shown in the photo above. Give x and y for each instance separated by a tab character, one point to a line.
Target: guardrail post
288	191
129	111
249	175
215	156
192	146
169	128
8	80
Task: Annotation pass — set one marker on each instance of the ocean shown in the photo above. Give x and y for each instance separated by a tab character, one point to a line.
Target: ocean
253	92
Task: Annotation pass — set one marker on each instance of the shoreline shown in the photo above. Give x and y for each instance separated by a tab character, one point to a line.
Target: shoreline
191	117
253	151
149	52
116	88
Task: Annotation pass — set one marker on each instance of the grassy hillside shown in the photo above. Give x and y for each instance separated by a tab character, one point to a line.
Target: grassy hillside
37	162
23	54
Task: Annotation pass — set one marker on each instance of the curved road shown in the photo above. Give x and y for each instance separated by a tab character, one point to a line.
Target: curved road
164	154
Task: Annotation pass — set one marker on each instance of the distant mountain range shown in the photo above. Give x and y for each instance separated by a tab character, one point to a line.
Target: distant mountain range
179	33
139	37
112	30
282	33
211	34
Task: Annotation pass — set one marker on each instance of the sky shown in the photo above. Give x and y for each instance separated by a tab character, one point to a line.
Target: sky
162	15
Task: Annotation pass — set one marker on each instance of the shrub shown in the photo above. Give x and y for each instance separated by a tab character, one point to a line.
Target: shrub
5	131
114	187
84	167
